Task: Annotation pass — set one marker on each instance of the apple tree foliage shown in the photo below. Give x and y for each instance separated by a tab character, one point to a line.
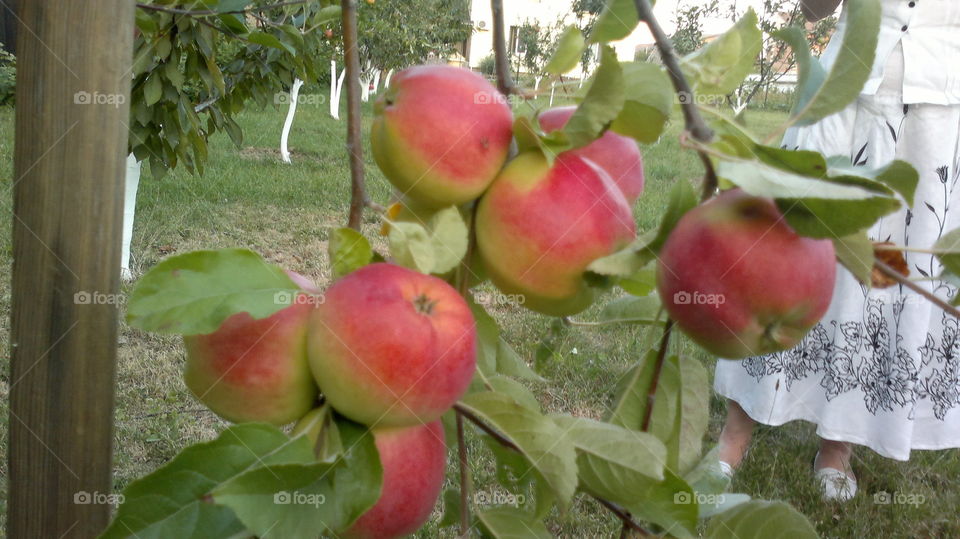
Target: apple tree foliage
645	459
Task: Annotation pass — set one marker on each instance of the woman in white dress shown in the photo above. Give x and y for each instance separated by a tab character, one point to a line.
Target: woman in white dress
882	369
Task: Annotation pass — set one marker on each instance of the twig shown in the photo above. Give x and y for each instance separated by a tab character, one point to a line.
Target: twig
900	278
351	56
691	116
621	513
657	367
464	481
504	80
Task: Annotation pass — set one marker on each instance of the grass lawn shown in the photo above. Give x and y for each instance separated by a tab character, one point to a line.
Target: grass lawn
248	198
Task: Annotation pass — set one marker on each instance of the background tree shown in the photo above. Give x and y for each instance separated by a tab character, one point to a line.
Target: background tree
535	44
688	35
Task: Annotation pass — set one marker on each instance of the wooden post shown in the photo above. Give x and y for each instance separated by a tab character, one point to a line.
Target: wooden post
73	90
351	59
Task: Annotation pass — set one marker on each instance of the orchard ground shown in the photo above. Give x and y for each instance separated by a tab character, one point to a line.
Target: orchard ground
249	198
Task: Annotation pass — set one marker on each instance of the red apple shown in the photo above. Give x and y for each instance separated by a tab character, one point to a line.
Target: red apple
392	347
540	226
739	281
255	370
440	134
414	462
618	155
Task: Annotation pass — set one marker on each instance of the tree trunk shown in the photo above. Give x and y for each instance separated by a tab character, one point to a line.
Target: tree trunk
288	123
68	211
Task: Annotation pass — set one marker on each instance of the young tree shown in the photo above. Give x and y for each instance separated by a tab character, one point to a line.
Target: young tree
688	36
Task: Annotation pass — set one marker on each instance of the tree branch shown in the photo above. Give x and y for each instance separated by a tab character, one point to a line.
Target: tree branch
504	80
657	368
620	512
351	56
691	116
900	278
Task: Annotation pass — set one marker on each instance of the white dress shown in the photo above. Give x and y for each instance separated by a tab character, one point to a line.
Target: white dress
882	369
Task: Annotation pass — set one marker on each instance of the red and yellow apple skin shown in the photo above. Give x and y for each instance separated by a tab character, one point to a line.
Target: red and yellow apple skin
441	133
739	281
255	370
618	155
539	227
414	460
392	347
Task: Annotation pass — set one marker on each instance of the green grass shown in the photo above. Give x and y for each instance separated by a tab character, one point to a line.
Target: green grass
248	198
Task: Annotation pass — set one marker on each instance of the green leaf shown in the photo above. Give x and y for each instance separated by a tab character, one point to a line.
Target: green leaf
901	177
269	40
174	500
449	235
679	416
633	310
811	71
510	363
710	484
602	104
759	519
615	22
349	250
547	347
851	67
538	438
682	200
494	355
721	66
647	102
411	246
303	501
570	47
511	523
194	293
641	282
611	458
517	391
948	251
855	252
820	208
152	90
224	6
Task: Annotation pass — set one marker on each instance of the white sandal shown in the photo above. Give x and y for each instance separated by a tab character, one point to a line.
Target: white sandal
836	484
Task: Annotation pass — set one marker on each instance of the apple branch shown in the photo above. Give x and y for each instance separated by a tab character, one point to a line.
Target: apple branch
657	367
691	115
620	512
900	278
351	56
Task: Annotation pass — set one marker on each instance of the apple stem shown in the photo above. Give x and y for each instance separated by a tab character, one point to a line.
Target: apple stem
464	478
621	513
351	57
897	276
691	115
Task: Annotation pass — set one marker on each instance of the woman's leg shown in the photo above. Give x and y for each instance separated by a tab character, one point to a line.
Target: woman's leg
736	434
835	455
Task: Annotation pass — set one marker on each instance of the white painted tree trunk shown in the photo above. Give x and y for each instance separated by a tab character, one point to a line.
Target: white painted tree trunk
365	87
376	81
553	88
536	83
336	85
386	81
288	123
129	209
